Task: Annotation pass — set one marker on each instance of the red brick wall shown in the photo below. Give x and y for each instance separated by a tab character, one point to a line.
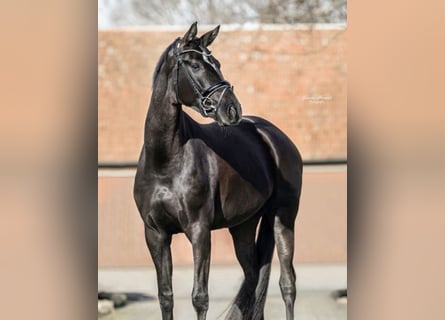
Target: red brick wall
294	78
320	227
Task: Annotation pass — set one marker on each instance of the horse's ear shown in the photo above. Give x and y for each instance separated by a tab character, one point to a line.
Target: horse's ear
208	37
190	34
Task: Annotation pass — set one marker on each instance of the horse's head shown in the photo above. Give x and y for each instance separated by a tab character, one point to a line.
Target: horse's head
198	80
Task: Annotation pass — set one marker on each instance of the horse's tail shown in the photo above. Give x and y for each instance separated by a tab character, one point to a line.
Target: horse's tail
249	302
265	245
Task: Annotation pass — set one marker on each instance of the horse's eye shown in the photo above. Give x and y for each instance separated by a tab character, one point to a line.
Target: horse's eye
196	66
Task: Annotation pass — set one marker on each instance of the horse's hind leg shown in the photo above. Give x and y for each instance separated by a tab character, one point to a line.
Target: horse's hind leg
244	242
159	246
284	237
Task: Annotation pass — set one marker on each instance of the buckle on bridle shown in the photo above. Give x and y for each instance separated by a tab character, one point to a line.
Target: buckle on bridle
207	105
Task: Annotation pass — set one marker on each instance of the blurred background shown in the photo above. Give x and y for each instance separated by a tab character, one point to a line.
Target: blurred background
287	62
285	66
124	13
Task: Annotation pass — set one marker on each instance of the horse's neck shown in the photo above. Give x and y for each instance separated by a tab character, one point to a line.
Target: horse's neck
161	138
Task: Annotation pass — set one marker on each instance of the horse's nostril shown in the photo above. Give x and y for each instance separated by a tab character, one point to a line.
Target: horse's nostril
232	112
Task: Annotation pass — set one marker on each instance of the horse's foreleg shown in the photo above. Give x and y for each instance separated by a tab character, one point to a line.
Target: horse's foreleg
159	246
200	239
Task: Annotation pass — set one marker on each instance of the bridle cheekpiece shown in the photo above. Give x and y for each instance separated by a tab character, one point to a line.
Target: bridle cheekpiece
206	106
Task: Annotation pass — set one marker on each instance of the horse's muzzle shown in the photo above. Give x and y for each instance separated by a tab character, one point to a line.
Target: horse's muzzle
230	115
233	114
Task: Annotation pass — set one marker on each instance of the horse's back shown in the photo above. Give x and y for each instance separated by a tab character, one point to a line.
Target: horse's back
260	152
241	147
287	159
284	151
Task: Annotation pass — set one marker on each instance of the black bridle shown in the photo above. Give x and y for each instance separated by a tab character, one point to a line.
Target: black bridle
206	106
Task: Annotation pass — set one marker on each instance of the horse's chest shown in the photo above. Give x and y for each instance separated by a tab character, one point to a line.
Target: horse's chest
163	195
175	199
165	199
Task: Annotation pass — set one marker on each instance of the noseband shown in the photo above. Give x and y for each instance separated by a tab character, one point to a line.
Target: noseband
206	107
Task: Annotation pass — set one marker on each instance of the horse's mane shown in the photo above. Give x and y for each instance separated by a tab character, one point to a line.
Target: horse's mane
162	60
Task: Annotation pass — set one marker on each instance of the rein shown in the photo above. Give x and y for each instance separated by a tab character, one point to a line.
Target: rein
206	107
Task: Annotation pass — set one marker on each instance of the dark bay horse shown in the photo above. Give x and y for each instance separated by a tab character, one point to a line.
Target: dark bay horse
232	173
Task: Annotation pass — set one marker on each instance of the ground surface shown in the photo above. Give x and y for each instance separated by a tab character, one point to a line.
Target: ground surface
315	299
